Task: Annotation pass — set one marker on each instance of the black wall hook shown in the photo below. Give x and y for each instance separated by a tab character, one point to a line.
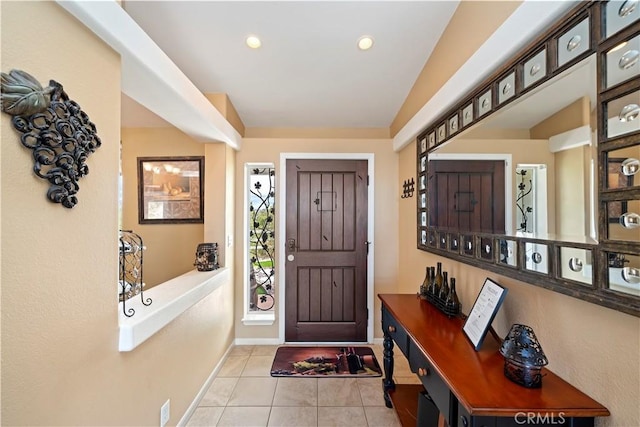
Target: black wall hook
408	188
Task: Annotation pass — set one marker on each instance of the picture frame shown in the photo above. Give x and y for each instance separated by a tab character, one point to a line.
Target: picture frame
616	179
170	190
483	312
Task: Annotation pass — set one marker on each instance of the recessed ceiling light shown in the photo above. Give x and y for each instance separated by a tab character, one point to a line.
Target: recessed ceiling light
253	42
365	42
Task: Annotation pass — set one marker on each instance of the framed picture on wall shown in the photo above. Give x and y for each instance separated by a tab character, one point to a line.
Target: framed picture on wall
616	179
170	190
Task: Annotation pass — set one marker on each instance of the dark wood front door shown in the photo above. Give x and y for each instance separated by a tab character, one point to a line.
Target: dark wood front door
467	195
326	251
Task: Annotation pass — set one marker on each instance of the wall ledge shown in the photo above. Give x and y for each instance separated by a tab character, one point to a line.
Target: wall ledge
170	299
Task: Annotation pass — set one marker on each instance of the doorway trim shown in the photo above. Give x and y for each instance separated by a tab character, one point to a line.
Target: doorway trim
282	204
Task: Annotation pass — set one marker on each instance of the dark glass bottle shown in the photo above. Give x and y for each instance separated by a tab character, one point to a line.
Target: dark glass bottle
425	283
444	290
432	282
437	281
452	304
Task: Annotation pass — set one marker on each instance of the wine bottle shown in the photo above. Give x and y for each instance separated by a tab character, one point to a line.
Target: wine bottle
437	283
425	284
444	290
432	276
452	304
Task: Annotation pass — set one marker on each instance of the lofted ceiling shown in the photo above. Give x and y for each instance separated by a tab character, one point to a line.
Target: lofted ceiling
308	72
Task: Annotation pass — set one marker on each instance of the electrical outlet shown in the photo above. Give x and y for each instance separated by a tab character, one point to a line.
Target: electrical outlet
165	413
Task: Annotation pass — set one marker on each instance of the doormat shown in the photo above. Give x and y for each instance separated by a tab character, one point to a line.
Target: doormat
325	361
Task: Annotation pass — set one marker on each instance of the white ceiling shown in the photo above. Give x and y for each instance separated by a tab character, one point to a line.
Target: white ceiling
308	72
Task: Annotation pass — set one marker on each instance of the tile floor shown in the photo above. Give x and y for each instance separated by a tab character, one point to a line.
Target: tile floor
244	394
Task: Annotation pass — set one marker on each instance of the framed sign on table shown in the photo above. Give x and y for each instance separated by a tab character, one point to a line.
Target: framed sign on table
483	312
170	190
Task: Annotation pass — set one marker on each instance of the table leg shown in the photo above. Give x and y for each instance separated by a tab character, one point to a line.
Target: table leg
387	382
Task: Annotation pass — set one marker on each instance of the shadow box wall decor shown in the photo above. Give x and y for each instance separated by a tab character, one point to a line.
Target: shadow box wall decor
170	190
593	252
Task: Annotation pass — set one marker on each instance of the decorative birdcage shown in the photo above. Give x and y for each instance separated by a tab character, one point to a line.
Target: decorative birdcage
130	281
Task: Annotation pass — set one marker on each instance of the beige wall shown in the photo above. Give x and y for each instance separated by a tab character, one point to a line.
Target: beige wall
571	206
219	200
170	247
594	348
223	104
572	171
571	117
387	197
60	358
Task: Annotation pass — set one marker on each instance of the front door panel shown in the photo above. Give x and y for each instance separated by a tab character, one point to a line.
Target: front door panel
326	250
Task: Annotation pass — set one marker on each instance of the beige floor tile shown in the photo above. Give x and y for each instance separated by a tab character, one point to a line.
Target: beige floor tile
205	417
233	366
401	367
371	391
296	392
264	350
258	366
380	416
338	392
293	417
413	379
378	350
245	416
241	350
219	391
254	398
253	392
343	416
399	358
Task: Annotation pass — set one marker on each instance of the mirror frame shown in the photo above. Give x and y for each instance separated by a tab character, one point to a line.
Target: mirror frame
453	121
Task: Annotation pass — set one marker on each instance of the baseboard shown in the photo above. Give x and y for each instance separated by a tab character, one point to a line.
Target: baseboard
257	341
329	343
276	341
203	390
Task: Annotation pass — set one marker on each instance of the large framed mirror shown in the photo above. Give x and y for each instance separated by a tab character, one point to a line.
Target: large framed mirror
529	170
537	167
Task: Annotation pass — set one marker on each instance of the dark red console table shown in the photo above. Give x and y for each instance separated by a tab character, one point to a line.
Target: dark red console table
467	387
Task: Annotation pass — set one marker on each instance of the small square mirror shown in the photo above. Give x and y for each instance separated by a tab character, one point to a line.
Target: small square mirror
536	257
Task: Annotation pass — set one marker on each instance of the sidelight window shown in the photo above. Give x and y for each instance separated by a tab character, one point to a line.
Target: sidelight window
260	242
